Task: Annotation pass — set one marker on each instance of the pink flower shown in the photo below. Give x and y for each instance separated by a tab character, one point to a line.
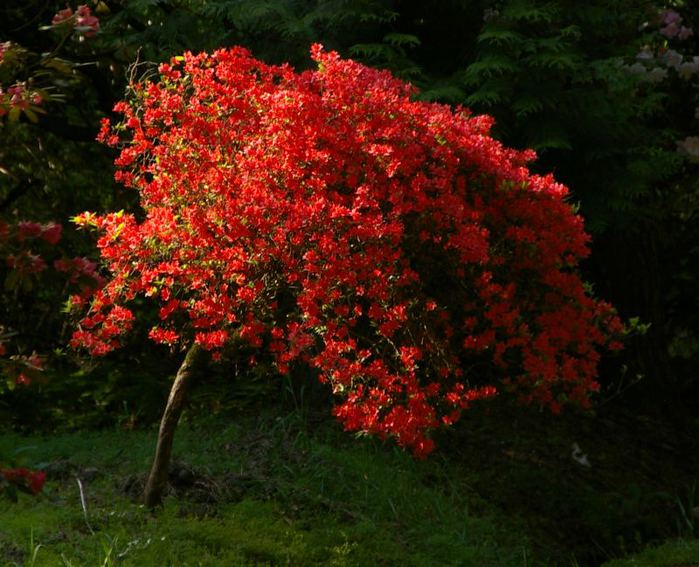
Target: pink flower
82	20
22	380
62	16
26	263
29	229
35	362
4	48
685	33
35	264
62	265
51	232
670	30
671	17
85	19
36	482
84	266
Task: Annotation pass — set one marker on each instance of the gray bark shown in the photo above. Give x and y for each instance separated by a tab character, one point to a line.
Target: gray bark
157	479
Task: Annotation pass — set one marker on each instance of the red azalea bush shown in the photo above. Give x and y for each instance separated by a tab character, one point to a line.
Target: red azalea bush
324	216
30	262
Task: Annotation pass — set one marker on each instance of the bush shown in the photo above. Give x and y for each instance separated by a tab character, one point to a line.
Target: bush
327	219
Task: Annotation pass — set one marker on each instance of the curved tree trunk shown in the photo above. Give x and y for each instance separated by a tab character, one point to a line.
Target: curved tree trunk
157	479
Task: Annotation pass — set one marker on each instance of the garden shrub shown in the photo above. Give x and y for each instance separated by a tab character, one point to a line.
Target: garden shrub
327	218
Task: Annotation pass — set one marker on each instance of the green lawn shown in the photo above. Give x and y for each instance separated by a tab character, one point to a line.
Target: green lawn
262	494
273	491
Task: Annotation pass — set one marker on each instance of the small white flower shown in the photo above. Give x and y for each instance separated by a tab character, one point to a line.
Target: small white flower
690	147
688	69
671	58
636	69
580	457
656	75
646	54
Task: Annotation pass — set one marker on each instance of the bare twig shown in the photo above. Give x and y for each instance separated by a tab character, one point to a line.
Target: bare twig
84	505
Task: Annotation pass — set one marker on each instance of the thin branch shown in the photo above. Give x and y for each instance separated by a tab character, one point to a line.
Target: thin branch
84	505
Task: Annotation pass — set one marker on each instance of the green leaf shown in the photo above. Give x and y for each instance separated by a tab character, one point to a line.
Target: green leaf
559	61
489	66
29	113
447	93
385	17
525	106
372	50
402	39
58	64
526	12
484	97
12	280
500	37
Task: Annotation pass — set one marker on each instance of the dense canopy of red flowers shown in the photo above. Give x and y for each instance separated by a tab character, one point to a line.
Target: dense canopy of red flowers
324	216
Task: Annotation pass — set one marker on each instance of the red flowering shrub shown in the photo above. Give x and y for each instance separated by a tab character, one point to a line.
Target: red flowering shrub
326	217
26	249
83	21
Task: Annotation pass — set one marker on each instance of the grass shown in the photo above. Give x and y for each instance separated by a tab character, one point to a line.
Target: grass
262	493
679	553
265	490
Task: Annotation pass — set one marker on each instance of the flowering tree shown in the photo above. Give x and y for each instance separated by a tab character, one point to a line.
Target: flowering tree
391	245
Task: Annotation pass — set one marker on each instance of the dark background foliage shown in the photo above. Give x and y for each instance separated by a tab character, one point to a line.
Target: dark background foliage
555	75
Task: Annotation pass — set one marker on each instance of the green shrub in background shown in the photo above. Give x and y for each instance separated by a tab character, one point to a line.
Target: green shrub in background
609	97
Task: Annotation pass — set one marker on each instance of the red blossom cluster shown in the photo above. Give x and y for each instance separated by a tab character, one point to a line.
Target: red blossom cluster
18	96
392	245
82	20
17	247
26	248
24	479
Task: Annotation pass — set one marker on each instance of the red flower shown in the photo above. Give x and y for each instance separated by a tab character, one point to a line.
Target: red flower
51	232
24	478
82	20
29	229
62	16
328	217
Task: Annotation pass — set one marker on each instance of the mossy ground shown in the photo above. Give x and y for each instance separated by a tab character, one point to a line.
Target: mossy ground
261	493
264	490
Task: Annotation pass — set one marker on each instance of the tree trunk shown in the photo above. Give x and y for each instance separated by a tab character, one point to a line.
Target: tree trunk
157	479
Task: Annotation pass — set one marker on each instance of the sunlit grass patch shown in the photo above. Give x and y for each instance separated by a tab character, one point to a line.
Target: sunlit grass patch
258	493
